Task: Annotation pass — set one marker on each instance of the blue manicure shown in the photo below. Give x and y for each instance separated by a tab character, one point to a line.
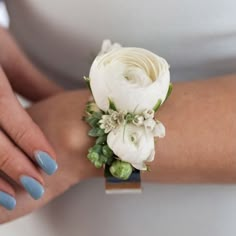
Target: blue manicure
7	201
46	162
32	186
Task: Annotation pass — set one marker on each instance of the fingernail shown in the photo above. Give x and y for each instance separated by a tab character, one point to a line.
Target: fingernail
32	186
46	162
7	201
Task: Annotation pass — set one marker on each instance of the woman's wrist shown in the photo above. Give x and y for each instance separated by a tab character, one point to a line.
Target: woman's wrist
66	130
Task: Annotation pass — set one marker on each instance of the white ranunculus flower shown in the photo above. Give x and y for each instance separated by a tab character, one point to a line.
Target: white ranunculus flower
133	78
132	144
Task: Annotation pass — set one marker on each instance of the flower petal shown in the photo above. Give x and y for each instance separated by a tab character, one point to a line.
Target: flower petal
159	130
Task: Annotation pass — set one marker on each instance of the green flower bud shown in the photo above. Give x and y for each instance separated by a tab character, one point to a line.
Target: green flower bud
121	170
107	151
98	164
93	156
129	117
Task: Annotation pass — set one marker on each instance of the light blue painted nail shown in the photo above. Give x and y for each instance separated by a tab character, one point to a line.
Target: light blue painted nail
46	162
32	186
7	201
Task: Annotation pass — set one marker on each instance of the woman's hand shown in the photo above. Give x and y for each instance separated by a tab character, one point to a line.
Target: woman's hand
23	146
60	118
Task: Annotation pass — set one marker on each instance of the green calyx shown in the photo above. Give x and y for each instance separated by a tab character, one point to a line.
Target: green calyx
112	105
121	170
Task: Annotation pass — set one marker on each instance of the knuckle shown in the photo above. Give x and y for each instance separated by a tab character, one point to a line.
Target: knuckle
5	159
22	135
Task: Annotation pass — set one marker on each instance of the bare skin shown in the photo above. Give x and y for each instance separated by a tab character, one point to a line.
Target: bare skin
20	137
200	118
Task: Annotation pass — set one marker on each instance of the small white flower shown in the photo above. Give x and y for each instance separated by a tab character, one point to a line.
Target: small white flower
138	120
118	117
148	114
107	123
159	130
149	124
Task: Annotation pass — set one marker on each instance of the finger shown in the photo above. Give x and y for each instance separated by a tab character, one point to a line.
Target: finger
16	123
7	195
19	168
21	73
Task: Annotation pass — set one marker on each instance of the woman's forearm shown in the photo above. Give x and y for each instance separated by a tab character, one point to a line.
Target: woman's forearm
200	144
199	147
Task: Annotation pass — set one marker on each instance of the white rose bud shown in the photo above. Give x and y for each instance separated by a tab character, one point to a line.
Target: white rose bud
133	144
132	78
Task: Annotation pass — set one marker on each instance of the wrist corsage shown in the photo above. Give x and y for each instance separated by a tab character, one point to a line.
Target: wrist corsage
128	86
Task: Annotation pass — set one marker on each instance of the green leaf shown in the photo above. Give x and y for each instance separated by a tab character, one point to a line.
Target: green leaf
97	115
93	132
96	132
110	160
107	151
158	104
169	90
101	139
100	132
92	121
97	148
112	105
103	159
87	81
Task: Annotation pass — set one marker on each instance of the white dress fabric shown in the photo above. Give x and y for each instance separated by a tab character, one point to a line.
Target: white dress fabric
198	39
4	18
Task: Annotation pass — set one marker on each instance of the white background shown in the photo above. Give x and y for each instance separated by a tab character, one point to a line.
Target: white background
198	38
166	210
